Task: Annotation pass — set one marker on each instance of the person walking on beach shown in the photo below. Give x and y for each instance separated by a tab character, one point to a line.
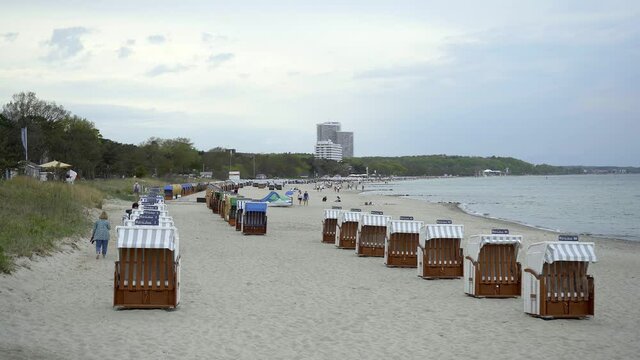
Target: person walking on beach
136	190
299	197
305	198
101	234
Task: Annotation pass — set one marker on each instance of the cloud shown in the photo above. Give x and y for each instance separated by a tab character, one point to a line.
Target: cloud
217	59
166	69
156	39
124	52
65	43
9	37
209	38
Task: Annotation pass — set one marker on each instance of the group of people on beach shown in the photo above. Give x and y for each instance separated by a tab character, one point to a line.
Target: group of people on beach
303	198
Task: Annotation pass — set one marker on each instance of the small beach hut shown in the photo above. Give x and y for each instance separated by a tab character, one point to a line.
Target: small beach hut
555	282
372	230
348	230
401	243
254	218
147	274
330	225
491	268
440	252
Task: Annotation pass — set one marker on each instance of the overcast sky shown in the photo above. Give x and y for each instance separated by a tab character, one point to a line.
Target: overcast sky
553	82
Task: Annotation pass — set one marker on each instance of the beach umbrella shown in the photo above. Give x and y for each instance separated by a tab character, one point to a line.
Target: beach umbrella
55	164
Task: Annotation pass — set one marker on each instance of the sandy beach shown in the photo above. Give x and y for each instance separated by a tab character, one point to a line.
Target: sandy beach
288	296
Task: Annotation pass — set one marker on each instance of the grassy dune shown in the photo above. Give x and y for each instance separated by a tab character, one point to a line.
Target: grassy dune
35	214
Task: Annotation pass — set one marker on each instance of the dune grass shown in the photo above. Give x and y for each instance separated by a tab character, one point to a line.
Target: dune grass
122	188
35	214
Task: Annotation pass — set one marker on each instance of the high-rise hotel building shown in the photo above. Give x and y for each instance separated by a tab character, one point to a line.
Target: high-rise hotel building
331	132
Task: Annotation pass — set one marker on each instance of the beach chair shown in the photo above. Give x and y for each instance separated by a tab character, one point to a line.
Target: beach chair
372	230
555	282
147	274
440	252
168	192
348	230
401	243
491	268
330	225
254	218
232	207
239	212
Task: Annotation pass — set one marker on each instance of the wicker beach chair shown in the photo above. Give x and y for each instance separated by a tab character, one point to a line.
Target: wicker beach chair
348	230
372	230
239	211
491	268
330	225
254	218
555	282
440	252
147	274
401	243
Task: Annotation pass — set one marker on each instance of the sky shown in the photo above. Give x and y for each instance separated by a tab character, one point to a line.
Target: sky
555	82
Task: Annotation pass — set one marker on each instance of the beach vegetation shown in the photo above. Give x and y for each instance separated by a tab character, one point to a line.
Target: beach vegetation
35	215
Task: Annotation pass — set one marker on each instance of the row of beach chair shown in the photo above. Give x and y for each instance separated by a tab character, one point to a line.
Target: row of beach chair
246	215
147	272
554	283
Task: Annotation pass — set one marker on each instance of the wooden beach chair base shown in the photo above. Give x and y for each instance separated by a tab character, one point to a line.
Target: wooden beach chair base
329	227
254	223
442	272
239	220
146	278
403	250
371	251
348	235
565	291
371	241
442	259
497	273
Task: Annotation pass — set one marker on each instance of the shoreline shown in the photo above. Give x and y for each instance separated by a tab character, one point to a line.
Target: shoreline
461	207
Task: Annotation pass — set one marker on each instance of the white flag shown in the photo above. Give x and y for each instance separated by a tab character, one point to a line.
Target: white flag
24	141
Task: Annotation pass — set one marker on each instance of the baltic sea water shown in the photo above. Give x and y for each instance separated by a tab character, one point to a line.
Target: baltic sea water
601	205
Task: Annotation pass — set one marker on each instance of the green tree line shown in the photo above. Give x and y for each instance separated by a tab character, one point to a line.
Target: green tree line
56	134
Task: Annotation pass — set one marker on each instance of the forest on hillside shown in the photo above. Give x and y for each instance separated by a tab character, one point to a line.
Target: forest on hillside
55	133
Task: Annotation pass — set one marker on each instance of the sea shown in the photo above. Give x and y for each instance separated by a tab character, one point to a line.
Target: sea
599	205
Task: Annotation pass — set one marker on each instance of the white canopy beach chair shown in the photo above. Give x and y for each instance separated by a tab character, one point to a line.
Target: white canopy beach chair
147	274
372	230
348	230
555	283
330	225
439	251
401	243
491	268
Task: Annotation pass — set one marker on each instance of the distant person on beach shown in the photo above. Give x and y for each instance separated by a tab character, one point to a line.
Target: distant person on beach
101	234
338	199
299	197
305	198
133	207
324	199
136	190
